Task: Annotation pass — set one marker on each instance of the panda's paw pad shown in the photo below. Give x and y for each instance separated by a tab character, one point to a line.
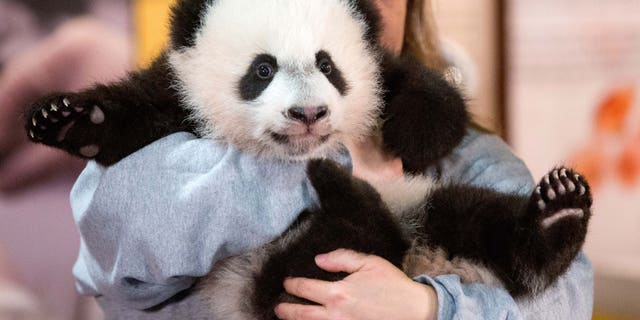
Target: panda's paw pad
53	117
89	151
562	194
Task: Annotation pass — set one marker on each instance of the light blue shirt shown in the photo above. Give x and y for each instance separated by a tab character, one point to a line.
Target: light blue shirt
157	220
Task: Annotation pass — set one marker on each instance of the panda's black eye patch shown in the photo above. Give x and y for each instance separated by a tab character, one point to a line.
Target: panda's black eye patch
326	65
258	77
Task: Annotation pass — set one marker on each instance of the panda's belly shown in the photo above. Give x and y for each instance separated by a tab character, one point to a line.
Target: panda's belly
405	194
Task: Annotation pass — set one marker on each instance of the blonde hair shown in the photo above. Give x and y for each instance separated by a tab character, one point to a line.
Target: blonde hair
420	37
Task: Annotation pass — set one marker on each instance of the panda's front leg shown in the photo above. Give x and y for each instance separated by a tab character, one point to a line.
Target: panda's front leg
109	122
424	117
105	123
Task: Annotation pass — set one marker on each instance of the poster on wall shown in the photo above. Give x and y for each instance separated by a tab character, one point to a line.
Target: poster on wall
574	98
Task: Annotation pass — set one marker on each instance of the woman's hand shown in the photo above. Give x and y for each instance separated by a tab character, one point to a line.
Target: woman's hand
375	289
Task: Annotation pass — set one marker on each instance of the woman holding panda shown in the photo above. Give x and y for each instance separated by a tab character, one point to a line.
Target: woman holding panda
375	289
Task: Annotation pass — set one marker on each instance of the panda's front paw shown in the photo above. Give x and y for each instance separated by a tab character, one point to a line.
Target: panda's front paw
561	208
66	122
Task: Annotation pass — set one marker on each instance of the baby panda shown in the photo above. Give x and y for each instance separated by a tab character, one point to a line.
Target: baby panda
295	80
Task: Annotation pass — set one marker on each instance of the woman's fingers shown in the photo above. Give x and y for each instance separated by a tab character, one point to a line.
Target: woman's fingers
314	290
289	311
342	260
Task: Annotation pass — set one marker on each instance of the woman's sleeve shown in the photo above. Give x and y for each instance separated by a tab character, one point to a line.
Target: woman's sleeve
158	219
485	160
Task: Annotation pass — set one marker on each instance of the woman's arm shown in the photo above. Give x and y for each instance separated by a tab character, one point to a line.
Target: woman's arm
153	222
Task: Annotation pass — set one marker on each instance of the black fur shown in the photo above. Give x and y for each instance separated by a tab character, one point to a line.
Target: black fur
251	85
186	20
371	16
423	116
335	76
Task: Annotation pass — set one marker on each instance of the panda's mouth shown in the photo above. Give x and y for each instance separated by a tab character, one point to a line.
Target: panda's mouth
300	139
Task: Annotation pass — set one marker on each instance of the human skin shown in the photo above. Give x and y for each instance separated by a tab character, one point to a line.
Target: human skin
374	289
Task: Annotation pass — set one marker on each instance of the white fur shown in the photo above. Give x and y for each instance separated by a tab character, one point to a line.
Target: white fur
565	213
405	194
234	32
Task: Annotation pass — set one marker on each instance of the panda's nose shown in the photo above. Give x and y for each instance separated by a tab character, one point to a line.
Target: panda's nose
308	115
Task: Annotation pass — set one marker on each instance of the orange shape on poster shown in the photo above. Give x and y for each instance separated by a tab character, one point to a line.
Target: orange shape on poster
613	111
628	168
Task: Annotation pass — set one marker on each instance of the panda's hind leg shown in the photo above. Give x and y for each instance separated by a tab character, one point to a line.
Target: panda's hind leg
558	215
526	241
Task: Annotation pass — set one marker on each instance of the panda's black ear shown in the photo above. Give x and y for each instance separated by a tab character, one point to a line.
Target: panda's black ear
186	20
371	16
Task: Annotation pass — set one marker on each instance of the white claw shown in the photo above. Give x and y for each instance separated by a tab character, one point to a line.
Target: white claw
97	116
583	190
546	179
577	176
555	174
31	134
34	121
551	194
66	102
571	186
542	205
539	190
45	114
563	172
54	107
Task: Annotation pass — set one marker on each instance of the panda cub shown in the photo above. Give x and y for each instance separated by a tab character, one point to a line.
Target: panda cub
296	80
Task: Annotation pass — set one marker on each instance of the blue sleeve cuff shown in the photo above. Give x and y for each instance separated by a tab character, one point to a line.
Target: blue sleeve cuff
470	301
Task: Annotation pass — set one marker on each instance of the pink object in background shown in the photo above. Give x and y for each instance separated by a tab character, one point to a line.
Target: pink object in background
41	244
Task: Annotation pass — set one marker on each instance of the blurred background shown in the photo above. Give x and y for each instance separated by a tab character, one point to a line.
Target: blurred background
559	80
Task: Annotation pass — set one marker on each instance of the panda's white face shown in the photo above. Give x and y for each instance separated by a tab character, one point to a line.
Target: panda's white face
284	78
